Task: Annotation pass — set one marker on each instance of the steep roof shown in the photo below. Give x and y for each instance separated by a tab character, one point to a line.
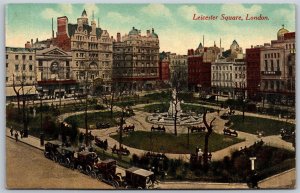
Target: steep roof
73	27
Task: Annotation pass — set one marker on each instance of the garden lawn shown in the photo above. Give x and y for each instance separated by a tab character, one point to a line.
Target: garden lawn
254	124
169	143
93	118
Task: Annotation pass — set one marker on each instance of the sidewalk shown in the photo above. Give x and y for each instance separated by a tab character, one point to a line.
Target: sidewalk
30	140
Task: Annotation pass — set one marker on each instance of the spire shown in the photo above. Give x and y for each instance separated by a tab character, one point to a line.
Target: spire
203	40
84	13
93	16
214	43
98	22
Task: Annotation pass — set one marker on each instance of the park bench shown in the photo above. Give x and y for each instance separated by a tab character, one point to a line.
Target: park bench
159	129
229	132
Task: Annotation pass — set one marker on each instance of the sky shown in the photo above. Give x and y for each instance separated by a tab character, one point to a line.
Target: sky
173	23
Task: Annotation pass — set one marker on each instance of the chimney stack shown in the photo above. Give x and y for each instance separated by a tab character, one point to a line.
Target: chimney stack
118	37
148	33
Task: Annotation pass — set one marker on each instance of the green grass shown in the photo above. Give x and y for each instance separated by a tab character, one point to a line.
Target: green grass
168	143
195	108
93	118
254	124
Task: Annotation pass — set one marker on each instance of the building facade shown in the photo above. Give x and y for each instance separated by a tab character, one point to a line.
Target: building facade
199	67
278	67
229	78
253	71
20	71
179	66
54	73
164	67
136	60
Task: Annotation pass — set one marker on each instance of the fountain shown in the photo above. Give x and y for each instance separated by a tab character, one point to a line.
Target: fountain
167	118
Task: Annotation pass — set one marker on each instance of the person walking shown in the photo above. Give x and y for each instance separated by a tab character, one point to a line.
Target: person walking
22	133
16	136
11	132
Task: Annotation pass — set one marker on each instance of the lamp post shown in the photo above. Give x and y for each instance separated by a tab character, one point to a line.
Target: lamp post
125	110
42	134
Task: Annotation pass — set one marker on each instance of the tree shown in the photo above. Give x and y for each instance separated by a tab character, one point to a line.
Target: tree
110	98
22	95
209	128
177	84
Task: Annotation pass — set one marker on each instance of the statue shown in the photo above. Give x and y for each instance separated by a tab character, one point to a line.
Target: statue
174	105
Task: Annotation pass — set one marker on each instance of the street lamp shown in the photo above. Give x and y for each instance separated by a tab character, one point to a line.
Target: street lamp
125	111
42	135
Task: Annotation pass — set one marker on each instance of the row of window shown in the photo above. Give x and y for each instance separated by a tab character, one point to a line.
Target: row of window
219	76
232	84
24	57
17	67
240	68
270	66
272	55
18	78
290	46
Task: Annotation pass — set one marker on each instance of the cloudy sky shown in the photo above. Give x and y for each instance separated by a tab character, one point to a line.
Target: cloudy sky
173	23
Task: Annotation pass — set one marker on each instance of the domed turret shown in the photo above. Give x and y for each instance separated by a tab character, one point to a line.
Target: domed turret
133	32
154	35
281	32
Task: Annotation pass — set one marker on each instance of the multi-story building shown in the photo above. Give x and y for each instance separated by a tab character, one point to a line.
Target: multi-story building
229	78
54	73
179	67
253	71
199	67
20	72
164	67
91	52
136	60
277	66
228	73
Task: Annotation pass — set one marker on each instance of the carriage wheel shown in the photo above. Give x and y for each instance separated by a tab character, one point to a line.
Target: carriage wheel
93	174
56	158
46	155
100	177
88	169
72	165
67	162
79	168
114	184
51	157
140	188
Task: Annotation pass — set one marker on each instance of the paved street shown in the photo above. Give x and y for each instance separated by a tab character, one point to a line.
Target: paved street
26	167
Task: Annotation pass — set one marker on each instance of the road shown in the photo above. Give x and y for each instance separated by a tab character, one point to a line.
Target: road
27	168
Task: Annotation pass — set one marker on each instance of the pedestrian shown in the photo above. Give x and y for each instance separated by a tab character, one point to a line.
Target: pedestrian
11	132
22	133
16	136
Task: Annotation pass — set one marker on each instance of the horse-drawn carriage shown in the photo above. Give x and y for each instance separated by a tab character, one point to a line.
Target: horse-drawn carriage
51	147
137	178
101	143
